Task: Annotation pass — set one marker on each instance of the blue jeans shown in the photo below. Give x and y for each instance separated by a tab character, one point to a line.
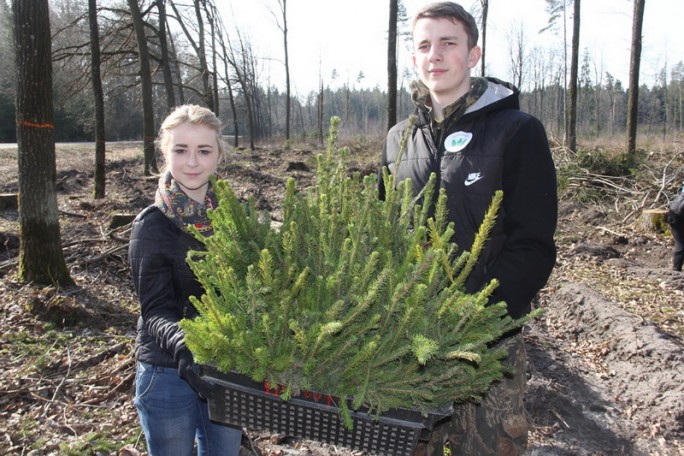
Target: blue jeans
172	415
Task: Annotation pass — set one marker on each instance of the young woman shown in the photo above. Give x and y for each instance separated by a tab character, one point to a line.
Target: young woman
170	395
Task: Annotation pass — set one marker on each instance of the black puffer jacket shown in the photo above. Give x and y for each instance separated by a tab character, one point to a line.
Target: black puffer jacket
164	283
493	146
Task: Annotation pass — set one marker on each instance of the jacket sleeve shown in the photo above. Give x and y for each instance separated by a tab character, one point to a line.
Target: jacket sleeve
676	205
151	257
382	164
530	209
390	148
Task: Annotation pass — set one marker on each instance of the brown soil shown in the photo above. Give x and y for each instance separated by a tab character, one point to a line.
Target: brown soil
606	365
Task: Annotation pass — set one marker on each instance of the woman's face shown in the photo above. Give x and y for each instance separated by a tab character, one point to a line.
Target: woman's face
192	156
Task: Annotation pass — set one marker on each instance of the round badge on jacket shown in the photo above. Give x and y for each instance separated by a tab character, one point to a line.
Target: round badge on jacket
457	141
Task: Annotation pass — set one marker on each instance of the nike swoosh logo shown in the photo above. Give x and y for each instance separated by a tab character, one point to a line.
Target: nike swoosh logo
471	181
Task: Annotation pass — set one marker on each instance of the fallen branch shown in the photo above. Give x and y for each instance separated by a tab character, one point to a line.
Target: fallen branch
605	181
83	241
603	228
72	214
665	180
59	387
96	359
119	232
105	254
124	382
8	264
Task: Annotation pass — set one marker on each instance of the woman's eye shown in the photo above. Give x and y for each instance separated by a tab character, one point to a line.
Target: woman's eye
178	151
204	151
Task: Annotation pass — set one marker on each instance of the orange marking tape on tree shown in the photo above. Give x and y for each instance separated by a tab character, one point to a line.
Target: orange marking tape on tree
36	125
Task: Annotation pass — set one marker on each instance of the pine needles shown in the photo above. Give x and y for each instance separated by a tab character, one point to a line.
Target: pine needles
353	297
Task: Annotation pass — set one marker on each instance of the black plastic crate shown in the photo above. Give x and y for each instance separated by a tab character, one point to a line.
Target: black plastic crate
245	403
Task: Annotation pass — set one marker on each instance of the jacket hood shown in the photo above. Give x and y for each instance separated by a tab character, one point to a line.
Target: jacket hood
489	93
497	93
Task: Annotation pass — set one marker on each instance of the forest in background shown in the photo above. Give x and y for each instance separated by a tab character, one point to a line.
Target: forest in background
195	57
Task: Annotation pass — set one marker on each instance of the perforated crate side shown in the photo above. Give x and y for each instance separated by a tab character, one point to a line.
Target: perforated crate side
248	404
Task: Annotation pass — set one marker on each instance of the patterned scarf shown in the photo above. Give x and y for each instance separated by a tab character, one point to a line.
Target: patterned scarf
181	209
452	113
420	96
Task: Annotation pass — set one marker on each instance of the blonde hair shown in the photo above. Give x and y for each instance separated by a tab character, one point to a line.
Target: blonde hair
194	114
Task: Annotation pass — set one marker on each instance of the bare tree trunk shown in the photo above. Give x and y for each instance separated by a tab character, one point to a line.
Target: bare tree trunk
319	115
485	13
559	112
150	166
40	257
571	131
199	48
202	55
241	65
253	87
598	96
99	101
347	94
392	65
666	102
176	67
517	56
302	127
680	104
268	128
283	28
565	65
231	98
613	108
288	94
210	11
165	62
635	62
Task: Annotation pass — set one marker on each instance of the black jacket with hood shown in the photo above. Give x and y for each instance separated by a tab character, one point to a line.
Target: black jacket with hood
491	146
164	282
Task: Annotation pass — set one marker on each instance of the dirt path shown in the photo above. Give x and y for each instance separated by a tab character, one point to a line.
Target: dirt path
603	380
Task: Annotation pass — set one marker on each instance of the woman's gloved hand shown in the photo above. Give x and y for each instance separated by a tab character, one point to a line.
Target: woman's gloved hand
189	371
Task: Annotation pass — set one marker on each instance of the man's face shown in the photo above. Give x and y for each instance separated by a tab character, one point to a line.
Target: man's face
442	58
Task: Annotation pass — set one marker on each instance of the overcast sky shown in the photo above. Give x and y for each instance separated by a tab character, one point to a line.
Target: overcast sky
350	36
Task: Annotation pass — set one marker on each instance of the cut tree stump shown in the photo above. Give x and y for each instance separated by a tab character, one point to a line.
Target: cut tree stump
9	201
119	220
654	220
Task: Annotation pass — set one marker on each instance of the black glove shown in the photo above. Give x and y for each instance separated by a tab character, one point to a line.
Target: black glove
189	371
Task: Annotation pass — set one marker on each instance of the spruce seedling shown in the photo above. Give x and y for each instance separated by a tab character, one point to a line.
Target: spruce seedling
356	297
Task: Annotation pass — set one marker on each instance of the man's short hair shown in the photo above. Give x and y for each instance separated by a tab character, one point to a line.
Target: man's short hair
452	11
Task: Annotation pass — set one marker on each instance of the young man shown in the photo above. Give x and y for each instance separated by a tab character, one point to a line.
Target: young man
471	133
